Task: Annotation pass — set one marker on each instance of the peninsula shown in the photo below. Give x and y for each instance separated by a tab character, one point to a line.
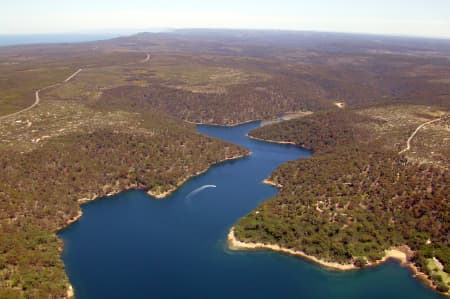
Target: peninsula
87	120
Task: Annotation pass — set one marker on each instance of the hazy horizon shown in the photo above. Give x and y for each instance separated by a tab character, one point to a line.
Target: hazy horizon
86	35
400	18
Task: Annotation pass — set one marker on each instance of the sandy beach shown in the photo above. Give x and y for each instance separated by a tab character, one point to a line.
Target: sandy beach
235	244
271	141
170	191
219	125
70	292
272	183
392	253
162	195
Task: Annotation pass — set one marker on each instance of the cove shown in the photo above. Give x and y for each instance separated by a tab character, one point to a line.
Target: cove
133	246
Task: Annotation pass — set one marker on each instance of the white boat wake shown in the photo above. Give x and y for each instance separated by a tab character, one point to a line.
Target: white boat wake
193	193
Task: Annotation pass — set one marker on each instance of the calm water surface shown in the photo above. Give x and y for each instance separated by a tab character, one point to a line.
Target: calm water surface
133	246
27	39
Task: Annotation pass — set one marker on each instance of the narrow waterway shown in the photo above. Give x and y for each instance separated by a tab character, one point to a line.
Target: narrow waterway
133	246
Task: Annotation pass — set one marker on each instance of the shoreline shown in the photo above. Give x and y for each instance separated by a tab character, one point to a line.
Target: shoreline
274	141
393	253
130	187
182	182
70	290
225	125
272	183
70	293
275	120
235	244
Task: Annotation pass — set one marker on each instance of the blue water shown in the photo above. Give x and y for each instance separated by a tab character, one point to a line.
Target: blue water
133	246
24	39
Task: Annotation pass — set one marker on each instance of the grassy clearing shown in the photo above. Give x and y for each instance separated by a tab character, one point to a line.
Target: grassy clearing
17	87
52	119
203	78
90	83
394	125
435	270
24	70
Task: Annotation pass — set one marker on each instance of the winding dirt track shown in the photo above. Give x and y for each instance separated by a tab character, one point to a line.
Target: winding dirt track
147	58
38	99
36	94
408	142
73	75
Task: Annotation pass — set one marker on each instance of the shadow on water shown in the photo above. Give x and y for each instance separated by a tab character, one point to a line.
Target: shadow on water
133	246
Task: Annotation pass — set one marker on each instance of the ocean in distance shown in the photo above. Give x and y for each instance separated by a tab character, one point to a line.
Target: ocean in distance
25	39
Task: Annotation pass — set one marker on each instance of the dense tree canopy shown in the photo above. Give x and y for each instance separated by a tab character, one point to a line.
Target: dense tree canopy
353	199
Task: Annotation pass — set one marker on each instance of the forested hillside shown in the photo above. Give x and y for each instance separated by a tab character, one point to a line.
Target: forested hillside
229	77
62	151
121	122
40	190
355	197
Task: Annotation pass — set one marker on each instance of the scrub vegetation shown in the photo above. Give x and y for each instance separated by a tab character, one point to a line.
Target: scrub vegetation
357	196
123	122
63	152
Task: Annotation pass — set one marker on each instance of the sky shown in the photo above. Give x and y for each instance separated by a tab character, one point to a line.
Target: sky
430	18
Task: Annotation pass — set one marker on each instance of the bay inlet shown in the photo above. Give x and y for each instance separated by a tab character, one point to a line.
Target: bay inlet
133	246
